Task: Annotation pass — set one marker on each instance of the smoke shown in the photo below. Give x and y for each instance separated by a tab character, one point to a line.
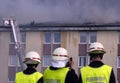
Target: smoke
73	11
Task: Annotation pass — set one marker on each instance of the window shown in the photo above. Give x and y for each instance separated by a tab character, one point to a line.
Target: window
52	37
92	37
82	61
118	61
51	41
119	37
47	37
83	37
87	37
57	37
47	60
22	37
12	60
12	38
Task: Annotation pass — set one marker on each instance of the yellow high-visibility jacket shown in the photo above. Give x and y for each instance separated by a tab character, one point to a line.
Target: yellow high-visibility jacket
24	78
55	76
96	75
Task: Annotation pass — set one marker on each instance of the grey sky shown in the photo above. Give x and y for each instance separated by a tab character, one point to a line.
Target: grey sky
26	11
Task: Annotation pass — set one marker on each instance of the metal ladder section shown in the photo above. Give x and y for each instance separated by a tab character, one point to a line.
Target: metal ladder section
17	38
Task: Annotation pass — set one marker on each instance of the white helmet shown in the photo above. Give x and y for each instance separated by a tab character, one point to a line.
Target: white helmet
96	48
32	57
60	54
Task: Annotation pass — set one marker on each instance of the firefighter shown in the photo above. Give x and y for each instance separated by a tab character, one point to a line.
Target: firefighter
96	71
58	72
30	74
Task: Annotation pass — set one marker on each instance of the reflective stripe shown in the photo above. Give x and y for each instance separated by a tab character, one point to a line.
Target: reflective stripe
36	58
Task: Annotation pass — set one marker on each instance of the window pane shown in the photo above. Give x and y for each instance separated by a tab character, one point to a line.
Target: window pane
12	60
23	37
92	37
119	37
119	61
47	36
82	61
118	81
83	37
12	38
46	60
57	37
11	73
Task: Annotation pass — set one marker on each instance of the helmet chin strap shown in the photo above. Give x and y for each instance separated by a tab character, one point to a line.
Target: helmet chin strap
59	64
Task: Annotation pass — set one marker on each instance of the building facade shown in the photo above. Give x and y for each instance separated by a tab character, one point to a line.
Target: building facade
45	38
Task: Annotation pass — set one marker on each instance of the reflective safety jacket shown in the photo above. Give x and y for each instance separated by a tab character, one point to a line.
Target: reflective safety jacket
96	75
55	76
25	78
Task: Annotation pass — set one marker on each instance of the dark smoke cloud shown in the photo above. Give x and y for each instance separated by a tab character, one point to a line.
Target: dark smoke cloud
79	11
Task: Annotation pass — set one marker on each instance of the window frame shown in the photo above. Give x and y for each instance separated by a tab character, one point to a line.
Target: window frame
52	38
22	39
86	61
119	37
118	62
83	34
91	34
88	36
43	59
45	38
17	63
54	42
